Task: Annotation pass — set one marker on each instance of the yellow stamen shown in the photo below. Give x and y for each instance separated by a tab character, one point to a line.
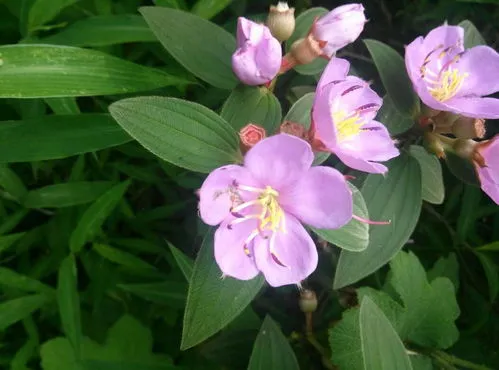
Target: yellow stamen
346	125
272	216
448	84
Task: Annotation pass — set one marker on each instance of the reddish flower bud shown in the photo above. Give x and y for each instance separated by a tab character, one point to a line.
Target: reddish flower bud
250	135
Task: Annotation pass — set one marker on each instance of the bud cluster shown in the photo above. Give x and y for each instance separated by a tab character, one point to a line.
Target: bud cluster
258	58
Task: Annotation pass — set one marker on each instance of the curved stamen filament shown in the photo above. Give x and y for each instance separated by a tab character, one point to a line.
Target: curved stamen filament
371	222
448	81
269	215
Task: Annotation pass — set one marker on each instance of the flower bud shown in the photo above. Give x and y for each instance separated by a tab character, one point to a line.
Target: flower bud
469	128
308	301
465	148
281	21
304	51
434	145
250	135
258	56
443	122
339	27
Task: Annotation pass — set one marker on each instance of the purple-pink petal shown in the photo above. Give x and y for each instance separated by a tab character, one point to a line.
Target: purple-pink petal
475	107
373	143
335	71
414	57
322	116
268	57
361	164
321	199
489	175
356	95
216	193
293	258
481	64
279	161
444	35
340	27
258	57
230	249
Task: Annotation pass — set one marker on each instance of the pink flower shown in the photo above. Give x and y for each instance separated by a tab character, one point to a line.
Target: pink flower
258	56
449	78
340	27
343	116
486	161
259	208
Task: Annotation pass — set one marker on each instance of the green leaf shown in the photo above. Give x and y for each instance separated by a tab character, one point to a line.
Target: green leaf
395	122
185	264
394	197
391	309
66	195
446	267
43	11
168	293
69	303
433	190
354	236
122	258
272	350
186	134
207	57
54	137
256	105
95	215
472	37
420	362
128	347
302	28
470	200
63	106
382	349
210	295
391	68
462	169
491	247
11	183
209	8
492	274
300	112
6	241
43	71
13	279
17	309
431	308
103	30
345	343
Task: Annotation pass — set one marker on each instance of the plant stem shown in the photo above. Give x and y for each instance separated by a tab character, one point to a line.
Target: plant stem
450	359
309	334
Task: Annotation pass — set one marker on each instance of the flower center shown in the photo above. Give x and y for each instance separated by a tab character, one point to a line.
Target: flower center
448	85
346	125
268	213
447	81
